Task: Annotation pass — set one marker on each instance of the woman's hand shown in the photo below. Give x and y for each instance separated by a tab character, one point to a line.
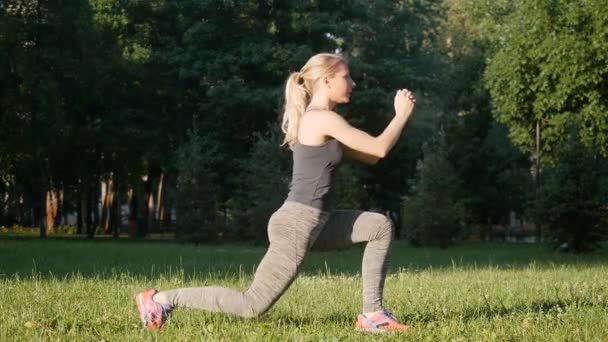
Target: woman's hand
405	101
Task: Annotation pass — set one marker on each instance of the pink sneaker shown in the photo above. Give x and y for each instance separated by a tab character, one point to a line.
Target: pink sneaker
152	314
380	322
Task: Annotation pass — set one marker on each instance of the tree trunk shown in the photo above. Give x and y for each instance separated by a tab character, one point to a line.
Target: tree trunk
81	219
88	210
160	208
51	210
59	206
79	211
115	219
132	203
95	199
104	203
64	212
107	200
42	213
38	158
110	216
6	209
144	218
537	166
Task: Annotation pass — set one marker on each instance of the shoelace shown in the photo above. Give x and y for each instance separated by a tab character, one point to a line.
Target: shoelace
390	315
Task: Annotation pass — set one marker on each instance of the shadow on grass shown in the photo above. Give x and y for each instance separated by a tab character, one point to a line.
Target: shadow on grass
468	314
494	310
151	259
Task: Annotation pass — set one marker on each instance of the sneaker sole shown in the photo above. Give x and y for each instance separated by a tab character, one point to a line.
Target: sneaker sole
372	330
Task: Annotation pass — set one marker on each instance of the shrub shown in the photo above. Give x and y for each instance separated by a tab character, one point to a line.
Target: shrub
196	189
434	213
569	200
263	186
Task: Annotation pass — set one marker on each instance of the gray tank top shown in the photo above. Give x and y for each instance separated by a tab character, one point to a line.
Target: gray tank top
312	181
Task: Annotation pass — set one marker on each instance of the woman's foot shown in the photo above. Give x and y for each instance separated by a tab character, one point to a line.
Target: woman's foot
152	314
382	321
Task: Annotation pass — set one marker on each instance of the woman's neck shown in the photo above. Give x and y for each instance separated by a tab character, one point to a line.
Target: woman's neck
320	102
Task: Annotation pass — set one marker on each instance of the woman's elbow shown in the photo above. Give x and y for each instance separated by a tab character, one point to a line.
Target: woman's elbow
372	159
381	153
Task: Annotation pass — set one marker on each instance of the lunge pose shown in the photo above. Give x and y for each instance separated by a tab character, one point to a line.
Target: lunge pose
319	139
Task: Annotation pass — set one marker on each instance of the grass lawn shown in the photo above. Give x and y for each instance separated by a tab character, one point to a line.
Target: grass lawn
70	289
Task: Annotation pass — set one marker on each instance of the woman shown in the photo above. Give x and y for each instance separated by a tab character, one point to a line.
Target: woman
318	138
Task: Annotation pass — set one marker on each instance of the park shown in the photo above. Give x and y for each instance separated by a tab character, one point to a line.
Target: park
146	144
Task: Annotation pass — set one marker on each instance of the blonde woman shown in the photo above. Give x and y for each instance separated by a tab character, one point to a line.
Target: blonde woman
319	139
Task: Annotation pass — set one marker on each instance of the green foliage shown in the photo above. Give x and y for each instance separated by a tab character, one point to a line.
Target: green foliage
68	105
18	230
434	213
570	198
495	175
393	45
119	84
196	197
15	230
266	173
550	65
507	179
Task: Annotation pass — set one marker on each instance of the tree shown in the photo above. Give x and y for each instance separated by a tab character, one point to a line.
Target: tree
434	212
570	198
393	45
263	186
196	189
494	173
550	67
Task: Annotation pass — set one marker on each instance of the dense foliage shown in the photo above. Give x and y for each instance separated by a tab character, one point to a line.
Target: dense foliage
570	199
164	107
434	213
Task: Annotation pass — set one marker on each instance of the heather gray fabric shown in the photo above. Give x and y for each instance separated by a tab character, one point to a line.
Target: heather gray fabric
293	230
312	181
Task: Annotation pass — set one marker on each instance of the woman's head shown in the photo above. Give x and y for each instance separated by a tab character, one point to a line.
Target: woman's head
323	73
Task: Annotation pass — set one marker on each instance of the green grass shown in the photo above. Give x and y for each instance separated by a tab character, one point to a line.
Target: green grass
71	289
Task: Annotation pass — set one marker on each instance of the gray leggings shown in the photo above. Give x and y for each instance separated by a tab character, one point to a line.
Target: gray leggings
293	230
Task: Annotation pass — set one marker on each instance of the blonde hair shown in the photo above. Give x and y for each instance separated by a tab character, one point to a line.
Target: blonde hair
298	91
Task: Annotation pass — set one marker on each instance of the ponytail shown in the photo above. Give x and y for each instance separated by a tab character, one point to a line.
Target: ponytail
297	97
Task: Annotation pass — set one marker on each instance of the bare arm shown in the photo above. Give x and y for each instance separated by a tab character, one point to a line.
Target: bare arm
360	156
359	141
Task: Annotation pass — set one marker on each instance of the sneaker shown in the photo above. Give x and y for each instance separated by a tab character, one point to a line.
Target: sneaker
380	322
152	314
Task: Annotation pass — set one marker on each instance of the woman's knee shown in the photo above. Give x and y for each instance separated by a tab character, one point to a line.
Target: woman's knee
384	226
389	227
257	308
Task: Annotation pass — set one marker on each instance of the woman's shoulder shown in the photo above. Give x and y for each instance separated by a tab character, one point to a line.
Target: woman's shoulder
313	124
321	115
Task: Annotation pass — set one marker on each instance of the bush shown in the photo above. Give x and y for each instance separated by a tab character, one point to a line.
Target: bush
19	230
66	230
434	213
196	200
569	200
264	185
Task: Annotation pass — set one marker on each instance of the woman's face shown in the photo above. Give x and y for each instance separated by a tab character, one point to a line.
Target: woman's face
340	85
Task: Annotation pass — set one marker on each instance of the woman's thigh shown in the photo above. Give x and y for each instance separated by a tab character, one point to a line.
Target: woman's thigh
347	227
